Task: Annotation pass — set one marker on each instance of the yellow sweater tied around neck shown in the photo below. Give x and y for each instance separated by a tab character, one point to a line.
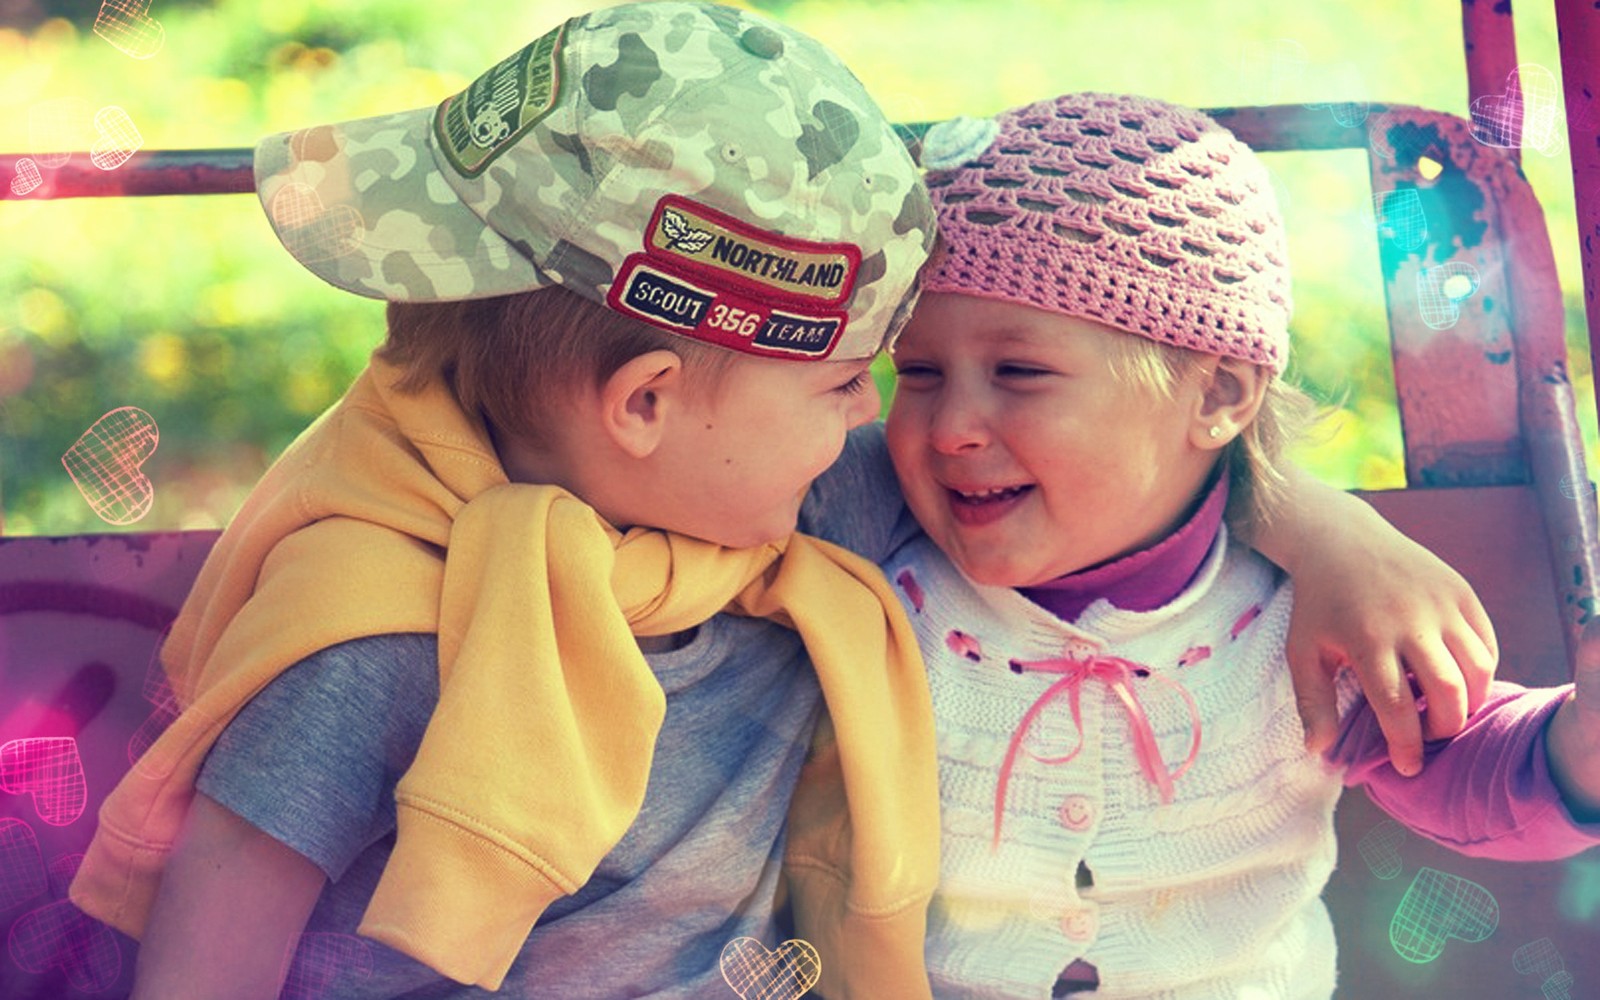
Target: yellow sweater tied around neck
392	513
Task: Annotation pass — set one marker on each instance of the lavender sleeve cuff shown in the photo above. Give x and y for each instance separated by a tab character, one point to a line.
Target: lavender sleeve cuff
1485	793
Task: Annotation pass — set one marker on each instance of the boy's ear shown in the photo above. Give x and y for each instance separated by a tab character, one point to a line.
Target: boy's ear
638	398
1233	391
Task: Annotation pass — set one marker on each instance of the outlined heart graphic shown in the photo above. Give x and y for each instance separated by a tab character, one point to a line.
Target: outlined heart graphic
1442	289
128	26
321	959
61	935
1538	959
119	138
1380	849
785	973
1401	141
310	230
48	768
1526	115
57	127
1439	906
27	178
22	874
106	460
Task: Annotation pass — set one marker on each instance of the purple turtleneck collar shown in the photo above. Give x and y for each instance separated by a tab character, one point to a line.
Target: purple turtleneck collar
1143	580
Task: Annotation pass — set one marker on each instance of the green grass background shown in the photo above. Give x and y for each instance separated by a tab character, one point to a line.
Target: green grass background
188	308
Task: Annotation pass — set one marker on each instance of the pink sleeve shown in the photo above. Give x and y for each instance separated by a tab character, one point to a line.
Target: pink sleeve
1485	793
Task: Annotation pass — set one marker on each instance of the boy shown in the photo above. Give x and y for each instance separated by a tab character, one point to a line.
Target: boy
399	618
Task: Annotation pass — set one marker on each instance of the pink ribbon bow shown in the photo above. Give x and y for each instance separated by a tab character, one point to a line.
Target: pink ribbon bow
1117	673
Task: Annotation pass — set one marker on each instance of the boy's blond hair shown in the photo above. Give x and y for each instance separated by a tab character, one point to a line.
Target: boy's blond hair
1254	461
510	357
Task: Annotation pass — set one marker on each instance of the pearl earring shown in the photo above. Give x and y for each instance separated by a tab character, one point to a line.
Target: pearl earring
1215	432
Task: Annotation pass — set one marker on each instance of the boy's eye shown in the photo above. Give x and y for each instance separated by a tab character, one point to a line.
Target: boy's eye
1020	371
855	386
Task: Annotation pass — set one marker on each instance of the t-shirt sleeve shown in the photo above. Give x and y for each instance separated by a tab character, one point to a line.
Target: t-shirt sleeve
857	503
1487	792
314	758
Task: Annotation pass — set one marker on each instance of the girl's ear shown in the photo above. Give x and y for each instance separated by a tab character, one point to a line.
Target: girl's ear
1232	393
638	399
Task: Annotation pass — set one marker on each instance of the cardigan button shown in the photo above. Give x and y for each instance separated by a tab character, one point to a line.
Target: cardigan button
1080	923
1077	813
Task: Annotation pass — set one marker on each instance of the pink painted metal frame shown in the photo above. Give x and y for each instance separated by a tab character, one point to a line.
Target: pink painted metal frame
1578	28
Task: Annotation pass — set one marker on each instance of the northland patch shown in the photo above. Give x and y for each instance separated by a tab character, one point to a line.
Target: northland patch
710	276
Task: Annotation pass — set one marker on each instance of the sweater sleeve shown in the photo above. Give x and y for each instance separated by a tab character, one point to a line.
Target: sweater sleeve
1486	792
857	503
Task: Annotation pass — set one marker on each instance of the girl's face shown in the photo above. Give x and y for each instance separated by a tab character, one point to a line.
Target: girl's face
1023	454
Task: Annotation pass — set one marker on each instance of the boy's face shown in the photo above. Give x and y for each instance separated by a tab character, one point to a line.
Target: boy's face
750	447
1022	453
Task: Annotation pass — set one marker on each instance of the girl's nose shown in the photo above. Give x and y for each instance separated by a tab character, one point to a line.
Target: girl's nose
955	425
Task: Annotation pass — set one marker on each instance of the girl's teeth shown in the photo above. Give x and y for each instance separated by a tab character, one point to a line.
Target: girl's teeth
991	493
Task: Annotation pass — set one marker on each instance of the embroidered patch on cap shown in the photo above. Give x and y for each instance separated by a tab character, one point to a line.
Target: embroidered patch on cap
678	303
714	278
481	122
761	263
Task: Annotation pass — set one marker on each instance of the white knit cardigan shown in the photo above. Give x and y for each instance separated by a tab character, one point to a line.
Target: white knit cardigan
1213	895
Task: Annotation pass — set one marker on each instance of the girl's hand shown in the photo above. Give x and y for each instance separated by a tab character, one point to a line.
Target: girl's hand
1573	741
1371	599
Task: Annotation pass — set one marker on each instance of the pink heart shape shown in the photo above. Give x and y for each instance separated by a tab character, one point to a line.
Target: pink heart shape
49	768
785	973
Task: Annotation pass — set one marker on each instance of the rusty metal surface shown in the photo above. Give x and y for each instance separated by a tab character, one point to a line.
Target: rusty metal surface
150	172
1456	380
1489	41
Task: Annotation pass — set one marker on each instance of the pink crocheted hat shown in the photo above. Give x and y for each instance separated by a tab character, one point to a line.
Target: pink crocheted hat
1142	215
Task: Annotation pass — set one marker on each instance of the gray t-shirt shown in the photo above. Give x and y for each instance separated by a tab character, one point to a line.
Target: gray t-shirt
313	761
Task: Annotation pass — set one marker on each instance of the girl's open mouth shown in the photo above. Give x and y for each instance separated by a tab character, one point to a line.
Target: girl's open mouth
977	507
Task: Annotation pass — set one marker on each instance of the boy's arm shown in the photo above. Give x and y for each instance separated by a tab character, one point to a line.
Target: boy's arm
232	905
1370	598
857	503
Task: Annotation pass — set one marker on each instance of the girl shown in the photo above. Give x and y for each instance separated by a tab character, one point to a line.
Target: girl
1088	422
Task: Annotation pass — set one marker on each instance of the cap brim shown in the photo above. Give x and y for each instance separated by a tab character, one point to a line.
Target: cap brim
363	206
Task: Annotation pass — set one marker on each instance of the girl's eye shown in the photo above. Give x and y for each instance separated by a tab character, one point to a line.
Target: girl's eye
1020	371
855	386
912	370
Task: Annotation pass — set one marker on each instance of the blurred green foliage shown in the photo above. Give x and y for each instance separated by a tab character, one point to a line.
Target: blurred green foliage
188	308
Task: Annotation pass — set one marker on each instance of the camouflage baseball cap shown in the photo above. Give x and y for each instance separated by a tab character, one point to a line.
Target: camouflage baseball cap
697	167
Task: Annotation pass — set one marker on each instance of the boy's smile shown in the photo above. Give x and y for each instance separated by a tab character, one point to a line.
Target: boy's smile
1022	452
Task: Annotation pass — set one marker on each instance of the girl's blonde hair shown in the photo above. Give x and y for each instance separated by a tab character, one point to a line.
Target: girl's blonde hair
1254	462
